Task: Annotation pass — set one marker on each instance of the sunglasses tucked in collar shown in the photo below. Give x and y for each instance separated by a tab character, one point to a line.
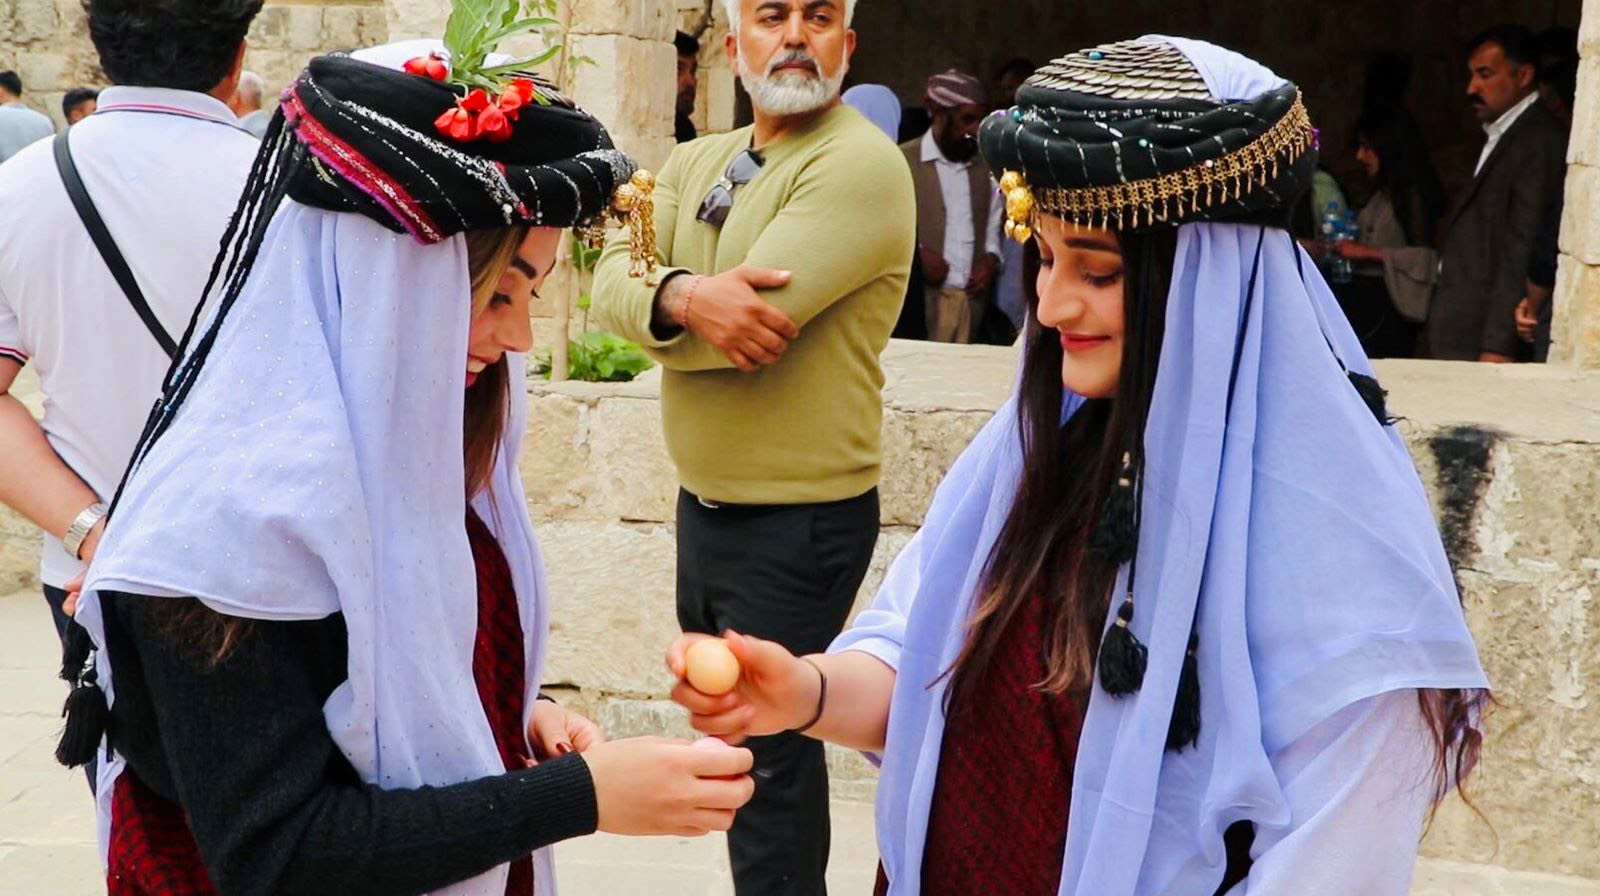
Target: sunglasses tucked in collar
719	200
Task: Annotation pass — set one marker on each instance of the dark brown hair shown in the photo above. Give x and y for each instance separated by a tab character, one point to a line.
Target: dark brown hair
489	253
1067	472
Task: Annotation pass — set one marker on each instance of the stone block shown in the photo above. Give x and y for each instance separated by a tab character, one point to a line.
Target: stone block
1575	332
628	457
632	85
43	72
304	28
270	28
407	19
373	23
33	20
918	449
1578	237
644	19
1584	144
342	27
612	604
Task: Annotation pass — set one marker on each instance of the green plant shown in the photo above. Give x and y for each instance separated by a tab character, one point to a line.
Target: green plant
599	357
476	27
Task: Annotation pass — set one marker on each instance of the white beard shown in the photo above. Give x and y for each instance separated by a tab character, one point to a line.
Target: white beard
790	93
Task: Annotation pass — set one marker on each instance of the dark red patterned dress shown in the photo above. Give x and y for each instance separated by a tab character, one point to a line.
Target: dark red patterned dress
153	853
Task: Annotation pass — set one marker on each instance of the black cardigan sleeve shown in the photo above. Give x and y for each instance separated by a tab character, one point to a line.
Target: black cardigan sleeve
275	807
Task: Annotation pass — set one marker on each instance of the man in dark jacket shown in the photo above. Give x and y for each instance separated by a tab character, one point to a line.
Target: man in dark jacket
1491	229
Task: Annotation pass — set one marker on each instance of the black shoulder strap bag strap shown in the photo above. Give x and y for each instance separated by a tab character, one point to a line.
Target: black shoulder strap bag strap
107	246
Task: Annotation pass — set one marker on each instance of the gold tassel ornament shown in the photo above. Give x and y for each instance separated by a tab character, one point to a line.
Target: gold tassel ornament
634	203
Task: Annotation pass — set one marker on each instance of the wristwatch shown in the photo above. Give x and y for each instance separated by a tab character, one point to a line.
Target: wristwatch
79	530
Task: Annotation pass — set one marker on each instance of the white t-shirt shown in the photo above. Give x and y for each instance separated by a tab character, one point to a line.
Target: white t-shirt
165	169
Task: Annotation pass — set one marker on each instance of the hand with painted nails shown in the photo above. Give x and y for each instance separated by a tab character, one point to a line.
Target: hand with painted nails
776	690
555	731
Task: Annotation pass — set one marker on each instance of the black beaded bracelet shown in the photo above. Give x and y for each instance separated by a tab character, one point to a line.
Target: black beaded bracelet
822	697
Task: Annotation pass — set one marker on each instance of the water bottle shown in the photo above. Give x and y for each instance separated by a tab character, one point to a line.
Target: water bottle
1335	230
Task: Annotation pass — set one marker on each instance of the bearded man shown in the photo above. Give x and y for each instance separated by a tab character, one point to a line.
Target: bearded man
785	248
958	211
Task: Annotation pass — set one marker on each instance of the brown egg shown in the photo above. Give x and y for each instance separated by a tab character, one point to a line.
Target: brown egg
711	667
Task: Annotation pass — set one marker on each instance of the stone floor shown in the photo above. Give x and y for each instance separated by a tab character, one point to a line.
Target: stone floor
46	820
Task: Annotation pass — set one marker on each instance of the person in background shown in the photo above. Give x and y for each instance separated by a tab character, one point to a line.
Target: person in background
63	312
1394	261
246	104
785	248
79	103
877	104
688	85
1008	291
958	210
20	124
1008	78
1558	86
1489	234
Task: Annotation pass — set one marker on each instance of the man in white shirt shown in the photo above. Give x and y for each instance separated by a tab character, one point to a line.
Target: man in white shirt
20	124
1489	234
164	161
246	103
958	210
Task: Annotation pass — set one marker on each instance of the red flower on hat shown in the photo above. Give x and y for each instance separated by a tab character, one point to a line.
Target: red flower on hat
494	124
457	123
429	66
517	94
476	101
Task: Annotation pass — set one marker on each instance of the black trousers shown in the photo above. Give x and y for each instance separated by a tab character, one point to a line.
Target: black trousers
787	574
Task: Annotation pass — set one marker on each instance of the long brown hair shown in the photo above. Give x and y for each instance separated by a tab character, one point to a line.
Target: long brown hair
1067	472
489	253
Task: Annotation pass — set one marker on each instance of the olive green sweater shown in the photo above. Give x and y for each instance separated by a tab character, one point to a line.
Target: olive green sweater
834	205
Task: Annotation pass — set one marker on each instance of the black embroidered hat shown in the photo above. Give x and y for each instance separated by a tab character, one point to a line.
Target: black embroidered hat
1129	136
417	155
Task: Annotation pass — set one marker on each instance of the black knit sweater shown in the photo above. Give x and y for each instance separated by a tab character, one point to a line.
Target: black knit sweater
273	804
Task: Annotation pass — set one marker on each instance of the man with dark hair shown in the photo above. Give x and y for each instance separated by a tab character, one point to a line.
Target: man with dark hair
1490	232
688	85
20	125
79	103
958	210
163	163
1008	79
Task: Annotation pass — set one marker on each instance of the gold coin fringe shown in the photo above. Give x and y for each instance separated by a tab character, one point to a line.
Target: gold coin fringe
1144	203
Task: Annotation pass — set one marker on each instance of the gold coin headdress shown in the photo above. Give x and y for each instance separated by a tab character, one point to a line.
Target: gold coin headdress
1128	136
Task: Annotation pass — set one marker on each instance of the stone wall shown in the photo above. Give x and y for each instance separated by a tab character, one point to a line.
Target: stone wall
47	42
1509	454
1576	332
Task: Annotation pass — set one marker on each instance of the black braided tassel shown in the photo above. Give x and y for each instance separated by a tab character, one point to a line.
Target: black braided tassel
75	651
1374	395
1116	533
1184	731
1122	657
87	715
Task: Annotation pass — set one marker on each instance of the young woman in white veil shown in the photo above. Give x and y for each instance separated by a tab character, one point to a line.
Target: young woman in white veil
1179	621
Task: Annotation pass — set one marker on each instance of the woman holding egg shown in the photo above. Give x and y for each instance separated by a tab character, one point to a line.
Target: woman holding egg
1179	620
